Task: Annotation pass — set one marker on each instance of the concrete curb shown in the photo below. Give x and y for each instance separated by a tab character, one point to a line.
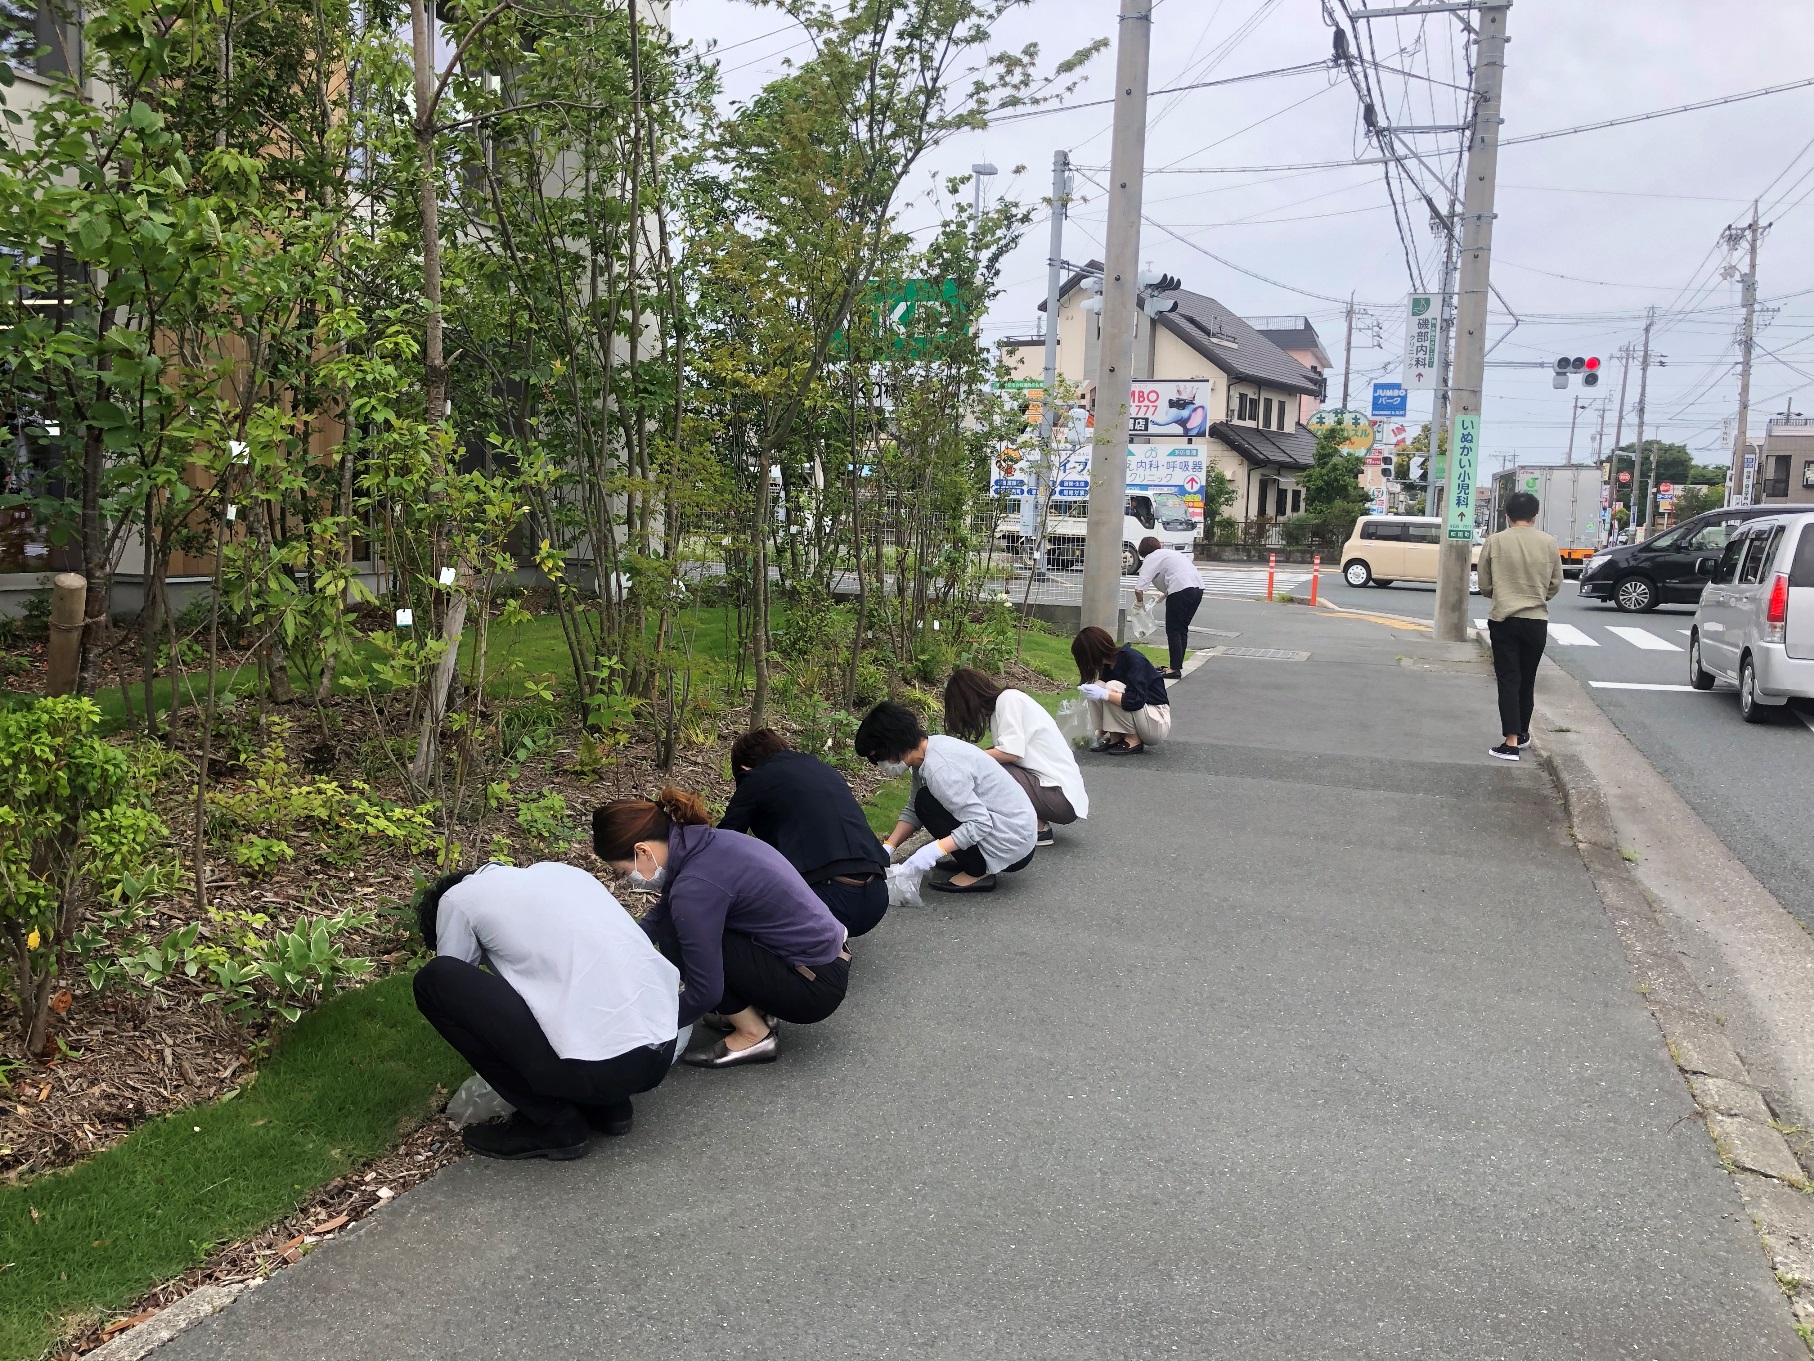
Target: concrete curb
154	1332
1734	1112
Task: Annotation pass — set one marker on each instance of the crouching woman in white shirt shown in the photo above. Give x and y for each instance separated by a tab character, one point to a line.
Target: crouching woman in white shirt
574	1012
1027	744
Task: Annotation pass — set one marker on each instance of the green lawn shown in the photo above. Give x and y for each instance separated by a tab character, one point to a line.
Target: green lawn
352	1076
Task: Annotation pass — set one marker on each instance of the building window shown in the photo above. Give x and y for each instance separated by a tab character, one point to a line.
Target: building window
1807	473
1267	419
1776	475
1297	500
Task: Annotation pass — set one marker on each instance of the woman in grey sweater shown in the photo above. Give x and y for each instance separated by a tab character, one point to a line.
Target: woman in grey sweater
974	810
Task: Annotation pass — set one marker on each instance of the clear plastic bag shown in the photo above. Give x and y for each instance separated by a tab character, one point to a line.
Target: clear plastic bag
904	886
1143	623
1073	720
475	1103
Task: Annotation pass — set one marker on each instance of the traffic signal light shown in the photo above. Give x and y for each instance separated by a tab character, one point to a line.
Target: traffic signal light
1588	368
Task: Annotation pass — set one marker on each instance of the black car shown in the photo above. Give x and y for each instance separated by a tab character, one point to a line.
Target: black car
1673	567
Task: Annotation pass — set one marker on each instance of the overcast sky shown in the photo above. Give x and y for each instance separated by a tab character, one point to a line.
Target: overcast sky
1632	216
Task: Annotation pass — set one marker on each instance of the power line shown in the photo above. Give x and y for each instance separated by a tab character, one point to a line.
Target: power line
1297	70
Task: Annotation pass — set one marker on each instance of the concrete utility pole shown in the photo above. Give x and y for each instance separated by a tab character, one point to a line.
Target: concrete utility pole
1618	433
1573	414
1120	289
1046	465
1452	569
1348	352
1733	236
1437	468
1637	453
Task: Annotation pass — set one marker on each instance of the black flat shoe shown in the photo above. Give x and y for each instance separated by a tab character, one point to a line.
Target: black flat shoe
1125	749
1107	746
986	884
1168	674
721	1055
518	1138
612	1121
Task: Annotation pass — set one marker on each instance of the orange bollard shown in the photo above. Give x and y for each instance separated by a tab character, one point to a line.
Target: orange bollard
1272	562
1316	570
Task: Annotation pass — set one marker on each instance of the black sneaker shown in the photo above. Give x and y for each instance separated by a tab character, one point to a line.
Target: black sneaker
613	1120
519	1137
1504	753
1524	740
1044	837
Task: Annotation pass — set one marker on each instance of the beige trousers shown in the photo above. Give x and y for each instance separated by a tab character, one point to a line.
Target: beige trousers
1150	723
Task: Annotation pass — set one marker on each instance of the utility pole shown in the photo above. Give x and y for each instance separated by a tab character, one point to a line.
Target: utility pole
1046	466
1732	237
1574	412
1637	456
1437	474
1120	289
1467	389
1348	352
1618	433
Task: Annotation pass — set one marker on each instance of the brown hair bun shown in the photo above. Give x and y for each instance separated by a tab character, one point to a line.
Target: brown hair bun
682	808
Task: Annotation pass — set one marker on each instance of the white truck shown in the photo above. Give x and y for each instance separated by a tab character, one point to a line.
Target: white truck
1162	482
1569	508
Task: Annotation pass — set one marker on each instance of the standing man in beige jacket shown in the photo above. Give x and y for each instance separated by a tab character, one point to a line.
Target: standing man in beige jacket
1521	570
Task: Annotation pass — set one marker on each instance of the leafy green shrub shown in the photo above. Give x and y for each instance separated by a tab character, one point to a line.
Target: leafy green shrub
262	854
545	818
74	823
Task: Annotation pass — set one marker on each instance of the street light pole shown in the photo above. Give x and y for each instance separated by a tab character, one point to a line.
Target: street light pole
1744	373
1637	454
1120	288
979	172
1453	565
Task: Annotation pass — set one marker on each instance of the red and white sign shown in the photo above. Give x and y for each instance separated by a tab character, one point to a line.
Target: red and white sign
1665	487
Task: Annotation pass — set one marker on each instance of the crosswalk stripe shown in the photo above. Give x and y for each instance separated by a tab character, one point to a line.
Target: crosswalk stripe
1643	638
1567	635
1640	685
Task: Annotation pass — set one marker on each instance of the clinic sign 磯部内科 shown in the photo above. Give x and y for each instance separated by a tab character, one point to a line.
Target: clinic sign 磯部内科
1464	442
1169	407
1423	326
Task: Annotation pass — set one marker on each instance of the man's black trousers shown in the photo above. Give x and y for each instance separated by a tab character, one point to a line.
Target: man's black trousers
938	823
1517	648
490	1025
1180	609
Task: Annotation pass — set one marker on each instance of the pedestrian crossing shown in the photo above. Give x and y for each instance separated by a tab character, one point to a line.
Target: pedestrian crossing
1249	583
1630	635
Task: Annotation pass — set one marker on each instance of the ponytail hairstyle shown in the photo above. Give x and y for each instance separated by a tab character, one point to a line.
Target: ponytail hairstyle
617	826
1093	649
969	703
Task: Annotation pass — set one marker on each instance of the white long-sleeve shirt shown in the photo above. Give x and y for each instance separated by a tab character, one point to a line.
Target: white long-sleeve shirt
1168	571
993	813
1021	727
595	983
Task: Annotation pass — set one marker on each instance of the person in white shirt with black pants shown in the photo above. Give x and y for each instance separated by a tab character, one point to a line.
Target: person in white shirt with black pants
1174	576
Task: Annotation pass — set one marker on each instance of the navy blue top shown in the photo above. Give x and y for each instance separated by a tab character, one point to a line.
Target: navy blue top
804	809
726	881
1144	683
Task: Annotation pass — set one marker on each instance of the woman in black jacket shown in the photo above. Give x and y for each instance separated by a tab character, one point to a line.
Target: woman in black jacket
1126	694
804	809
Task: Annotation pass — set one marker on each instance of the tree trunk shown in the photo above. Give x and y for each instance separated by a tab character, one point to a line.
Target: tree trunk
94	562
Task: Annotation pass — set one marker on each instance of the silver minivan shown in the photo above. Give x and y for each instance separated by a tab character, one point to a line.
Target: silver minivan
1755	624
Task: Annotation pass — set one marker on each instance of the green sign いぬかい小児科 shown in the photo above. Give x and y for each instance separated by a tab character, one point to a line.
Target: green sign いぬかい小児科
1464	461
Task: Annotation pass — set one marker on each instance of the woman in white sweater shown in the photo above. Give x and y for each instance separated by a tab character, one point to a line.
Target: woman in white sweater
1026	742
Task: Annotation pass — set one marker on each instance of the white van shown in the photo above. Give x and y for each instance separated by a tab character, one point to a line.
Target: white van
1160	515
1755	623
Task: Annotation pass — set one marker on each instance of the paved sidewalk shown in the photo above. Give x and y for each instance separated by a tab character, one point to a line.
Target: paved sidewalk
1313	1042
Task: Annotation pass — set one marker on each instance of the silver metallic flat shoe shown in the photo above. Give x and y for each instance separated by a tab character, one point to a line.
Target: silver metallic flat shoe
721	1055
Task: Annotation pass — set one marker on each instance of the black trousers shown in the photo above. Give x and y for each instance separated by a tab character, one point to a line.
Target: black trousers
755	977
859	907
938	821
1180	609
490	1025
1517	648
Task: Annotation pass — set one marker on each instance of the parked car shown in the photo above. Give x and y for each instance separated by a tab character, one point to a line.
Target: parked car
1383	549
1672	567
1755	624
1164	517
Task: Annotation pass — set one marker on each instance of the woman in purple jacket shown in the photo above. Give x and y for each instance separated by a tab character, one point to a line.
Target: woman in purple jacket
753	943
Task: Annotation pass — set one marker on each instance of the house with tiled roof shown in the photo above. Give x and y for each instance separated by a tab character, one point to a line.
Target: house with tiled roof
1260	393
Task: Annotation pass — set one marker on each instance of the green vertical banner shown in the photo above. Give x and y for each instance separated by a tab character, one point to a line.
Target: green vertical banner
1464	460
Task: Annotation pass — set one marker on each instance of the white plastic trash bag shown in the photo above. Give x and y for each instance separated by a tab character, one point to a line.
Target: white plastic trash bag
904	886
475	1103
681	1042
1142	623
1074	721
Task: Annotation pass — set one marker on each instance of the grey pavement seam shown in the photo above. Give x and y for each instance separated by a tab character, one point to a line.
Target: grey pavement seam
1736	1115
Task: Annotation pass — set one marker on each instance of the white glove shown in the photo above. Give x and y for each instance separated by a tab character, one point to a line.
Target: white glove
924	858
1094	690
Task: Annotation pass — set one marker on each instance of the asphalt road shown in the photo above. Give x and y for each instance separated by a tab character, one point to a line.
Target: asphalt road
1753	784
1230	1072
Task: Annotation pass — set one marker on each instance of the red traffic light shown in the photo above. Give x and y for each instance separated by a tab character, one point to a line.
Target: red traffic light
1592	365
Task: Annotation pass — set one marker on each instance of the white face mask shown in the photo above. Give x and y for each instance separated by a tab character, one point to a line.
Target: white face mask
648	881
892	768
